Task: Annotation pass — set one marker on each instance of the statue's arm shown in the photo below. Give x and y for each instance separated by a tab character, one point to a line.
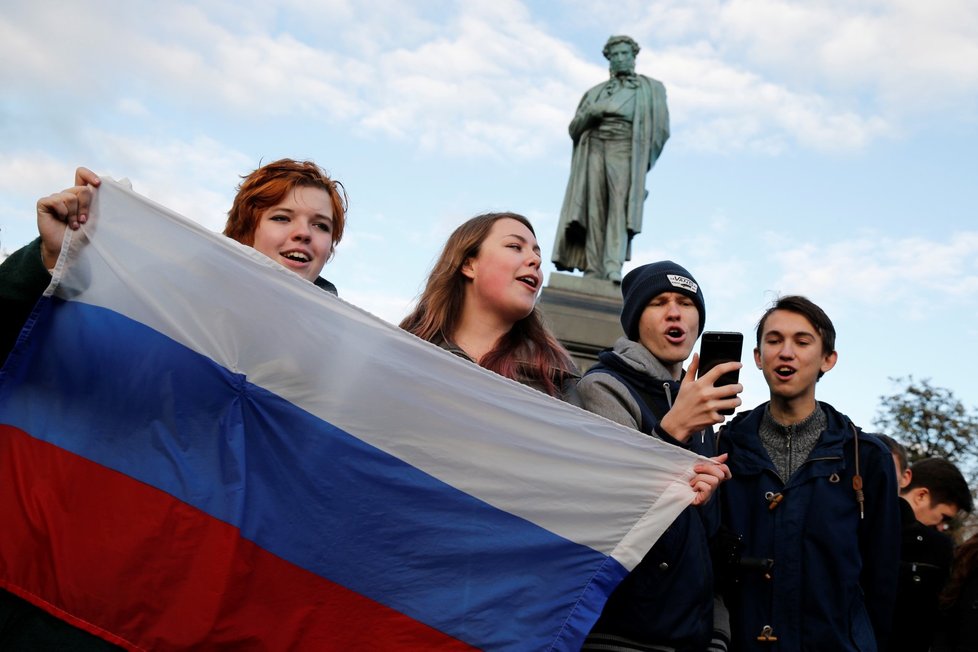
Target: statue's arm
588	114
660	122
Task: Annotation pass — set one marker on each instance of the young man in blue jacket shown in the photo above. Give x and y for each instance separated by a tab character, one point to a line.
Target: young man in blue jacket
667	602
812	501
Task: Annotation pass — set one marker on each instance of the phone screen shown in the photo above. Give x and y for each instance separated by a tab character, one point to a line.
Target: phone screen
717	347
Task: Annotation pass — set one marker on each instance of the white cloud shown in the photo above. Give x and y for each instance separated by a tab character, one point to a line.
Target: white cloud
717	107
177	53
490	84
31	173
133	107
481	82
493	79
24	178
875	270
836	75
728	279
195	178
915	55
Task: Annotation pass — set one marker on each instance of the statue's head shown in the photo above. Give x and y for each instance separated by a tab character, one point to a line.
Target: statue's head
620	51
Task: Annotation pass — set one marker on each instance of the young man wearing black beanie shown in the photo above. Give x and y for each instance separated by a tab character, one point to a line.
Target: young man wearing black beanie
812	501
667	601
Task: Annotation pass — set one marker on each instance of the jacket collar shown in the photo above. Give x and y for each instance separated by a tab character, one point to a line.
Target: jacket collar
748	455
642	369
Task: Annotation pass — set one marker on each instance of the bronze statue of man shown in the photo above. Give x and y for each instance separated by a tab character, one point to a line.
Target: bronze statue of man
619	130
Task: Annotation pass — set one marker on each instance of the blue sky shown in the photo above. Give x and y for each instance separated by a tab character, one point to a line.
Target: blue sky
823	148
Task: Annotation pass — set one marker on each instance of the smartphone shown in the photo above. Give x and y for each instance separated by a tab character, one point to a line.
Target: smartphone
717	347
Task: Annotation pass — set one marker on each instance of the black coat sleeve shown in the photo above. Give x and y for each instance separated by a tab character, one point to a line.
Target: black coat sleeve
23	280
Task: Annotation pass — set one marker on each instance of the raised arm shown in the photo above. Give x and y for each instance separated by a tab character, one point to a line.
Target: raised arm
24	274
67	209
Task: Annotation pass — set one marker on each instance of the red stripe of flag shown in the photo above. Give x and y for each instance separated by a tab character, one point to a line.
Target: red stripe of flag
141	569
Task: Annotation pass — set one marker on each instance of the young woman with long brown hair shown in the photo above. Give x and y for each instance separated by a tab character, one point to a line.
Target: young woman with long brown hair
479	303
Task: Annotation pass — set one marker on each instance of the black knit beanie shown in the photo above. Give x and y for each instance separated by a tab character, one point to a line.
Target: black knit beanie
644	283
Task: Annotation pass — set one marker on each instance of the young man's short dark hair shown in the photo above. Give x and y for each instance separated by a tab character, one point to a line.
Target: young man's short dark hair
807	309
943	480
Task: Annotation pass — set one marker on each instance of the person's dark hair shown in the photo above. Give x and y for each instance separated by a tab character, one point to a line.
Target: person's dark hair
529	347
965	563
615	40
266	186
896	448
807	309
944	482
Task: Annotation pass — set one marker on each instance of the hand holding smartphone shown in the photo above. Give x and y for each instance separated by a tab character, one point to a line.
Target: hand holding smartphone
717	347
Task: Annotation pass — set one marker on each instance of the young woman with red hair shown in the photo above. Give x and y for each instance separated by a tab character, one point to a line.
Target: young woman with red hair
291	211
479	302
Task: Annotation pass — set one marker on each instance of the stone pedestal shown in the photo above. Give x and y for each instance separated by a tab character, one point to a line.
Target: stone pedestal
583	314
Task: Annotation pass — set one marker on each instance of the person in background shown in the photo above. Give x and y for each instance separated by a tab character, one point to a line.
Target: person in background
667	601
900	460
958	627
935	494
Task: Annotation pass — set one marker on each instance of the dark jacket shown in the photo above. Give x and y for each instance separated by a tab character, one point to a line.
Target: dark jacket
667	599
322	283
23	280
832	580
958	629
925	564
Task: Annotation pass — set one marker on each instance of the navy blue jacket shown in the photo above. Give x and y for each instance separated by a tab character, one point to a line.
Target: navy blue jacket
834	574
668	598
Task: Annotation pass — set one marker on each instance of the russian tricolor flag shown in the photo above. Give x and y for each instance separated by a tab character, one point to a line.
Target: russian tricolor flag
198	449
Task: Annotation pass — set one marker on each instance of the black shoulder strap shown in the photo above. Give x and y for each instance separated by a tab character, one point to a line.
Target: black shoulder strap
636	384
653	406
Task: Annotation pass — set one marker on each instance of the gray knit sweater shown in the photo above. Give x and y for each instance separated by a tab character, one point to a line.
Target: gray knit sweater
789	446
